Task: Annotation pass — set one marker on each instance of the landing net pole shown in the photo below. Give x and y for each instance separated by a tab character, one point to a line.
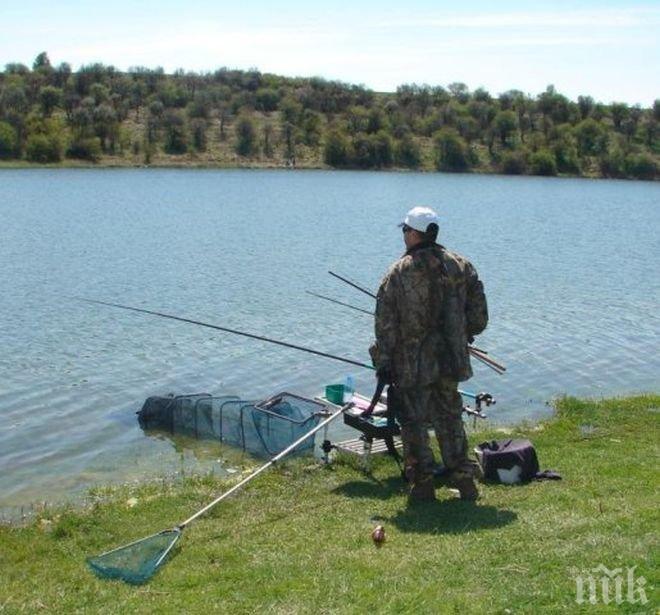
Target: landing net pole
267	465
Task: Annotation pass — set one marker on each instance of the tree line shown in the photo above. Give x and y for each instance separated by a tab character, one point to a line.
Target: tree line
143	115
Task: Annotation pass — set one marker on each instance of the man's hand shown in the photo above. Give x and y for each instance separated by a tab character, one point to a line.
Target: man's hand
384	375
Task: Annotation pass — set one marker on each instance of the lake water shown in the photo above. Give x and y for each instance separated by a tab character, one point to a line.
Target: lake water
571	269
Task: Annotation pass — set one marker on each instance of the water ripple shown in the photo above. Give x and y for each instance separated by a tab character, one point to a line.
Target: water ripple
572	272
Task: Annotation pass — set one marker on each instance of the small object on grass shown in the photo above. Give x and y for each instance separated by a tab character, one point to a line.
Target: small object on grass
378	535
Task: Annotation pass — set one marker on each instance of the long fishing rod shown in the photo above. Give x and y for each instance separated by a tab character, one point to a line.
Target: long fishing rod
241	333
353	284
228	330
477	353
348	305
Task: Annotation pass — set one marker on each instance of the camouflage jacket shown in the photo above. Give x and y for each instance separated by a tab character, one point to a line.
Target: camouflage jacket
430	303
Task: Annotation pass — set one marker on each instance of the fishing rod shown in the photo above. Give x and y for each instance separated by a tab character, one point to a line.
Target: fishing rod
241	333
348	305
477	353
228	330
353	284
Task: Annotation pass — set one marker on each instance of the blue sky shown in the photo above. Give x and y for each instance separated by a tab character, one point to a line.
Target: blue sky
608	49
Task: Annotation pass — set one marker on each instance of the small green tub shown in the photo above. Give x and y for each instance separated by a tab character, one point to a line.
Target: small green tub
335	393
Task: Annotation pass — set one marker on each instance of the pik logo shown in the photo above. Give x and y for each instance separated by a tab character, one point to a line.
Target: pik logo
604	586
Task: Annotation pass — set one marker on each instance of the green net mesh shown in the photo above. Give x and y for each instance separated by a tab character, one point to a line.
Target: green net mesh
261	428
138	561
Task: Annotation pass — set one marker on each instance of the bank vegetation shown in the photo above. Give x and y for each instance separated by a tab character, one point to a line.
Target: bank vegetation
100	115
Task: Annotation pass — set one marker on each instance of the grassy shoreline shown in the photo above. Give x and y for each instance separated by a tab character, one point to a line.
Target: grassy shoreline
297	540
178	162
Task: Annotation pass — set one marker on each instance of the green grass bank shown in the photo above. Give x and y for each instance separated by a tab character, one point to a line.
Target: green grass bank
297	539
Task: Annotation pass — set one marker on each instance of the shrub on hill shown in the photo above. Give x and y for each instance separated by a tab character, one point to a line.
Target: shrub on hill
543	163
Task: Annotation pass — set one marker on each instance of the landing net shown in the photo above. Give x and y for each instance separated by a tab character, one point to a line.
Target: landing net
138	561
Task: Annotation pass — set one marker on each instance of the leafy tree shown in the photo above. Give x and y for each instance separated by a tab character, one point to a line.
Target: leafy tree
289	137
505	123
312	127
451	151
44	148
62	74
407	152
591	137
382	150
81	120
267	99
357	120
586	106
223	115
336	149
173	96
619	113
564	147
290	111
198	129
439	96
543	163
553	105
13	99
41	61
8	141
629	128
50	97
157	108
106	126
85	148
362	151
268	140
246	136
16	68
481	95
612	163
451	112
200	106
650	132
174	127
376	121
430	124
460	92
137	96
513	163
641	166
468	128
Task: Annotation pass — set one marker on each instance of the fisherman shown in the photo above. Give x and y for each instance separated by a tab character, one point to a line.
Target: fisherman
430	305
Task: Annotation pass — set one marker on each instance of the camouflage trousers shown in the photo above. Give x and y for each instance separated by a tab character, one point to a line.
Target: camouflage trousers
439	406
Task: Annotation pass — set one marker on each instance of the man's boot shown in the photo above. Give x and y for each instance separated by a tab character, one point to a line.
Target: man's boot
467	488
422	491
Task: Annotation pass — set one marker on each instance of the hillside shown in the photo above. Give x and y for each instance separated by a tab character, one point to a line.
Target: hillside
229	118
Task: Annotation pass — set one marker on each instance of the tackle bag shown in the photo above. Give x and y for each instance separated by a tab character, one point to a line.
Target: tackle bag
508	461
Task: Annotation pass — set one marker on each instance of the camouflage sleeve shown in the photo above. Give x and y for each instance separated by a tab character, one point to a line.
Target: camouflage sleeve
476	310
386	323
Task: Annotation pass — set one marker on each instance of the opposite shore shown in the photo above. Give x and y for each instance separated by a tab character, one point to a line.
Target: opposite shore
205	164
234	118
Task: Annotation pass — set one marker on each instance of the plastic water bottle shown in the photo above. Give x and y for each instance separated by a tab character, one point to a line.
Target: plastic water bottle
349	388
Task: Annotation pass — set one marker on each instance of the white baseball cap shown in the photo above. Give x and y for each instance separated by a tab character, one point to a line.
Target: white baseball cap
419	218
